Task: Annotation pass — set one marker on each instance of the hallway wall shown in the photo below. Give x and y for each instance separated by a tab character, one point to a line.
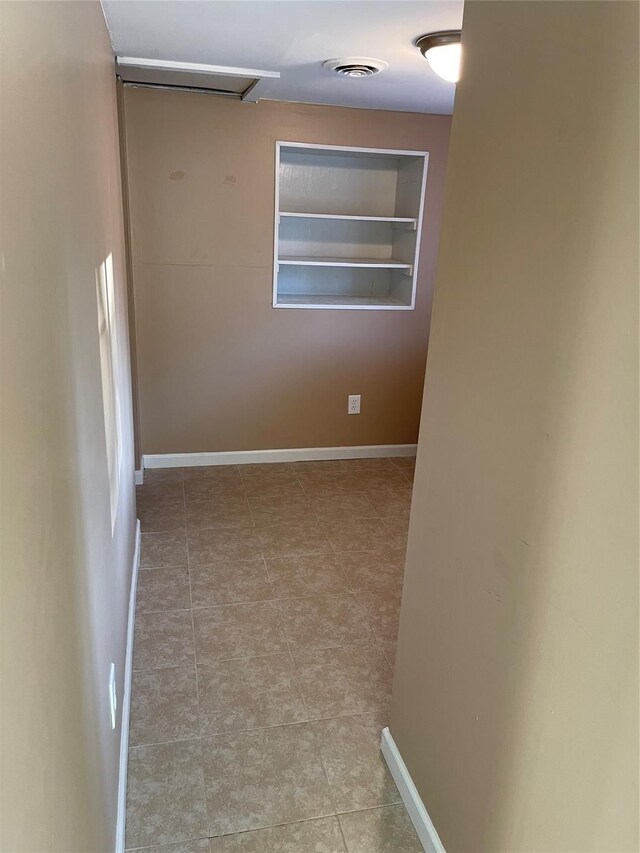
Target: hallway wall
65	572
218	367
515	702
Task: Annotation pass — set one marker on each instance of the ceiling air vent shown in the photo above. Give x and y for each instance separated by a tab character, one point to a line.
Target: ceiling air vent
355	66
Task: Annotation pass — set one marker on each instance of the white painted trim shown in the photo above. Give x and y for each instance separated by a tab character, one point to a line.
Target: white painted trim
376	263
410	269
419	235
257	89
276	226
394	220
126	701
420	819
299	454
140	477
391	152
193	67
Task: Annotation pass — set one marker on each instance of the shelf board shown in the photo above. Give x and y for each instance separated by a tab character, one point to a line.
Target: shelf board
315	261
394	220
322	300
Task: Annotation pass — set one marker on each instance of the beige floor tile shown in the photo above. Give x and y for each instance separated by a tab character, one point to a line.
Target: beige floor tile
225	543
160	517
404	462
162	495
379	570
390	649
264	778
361	534
398	524
284	485
156	476
392	502
163	549
329	508
160	486
350	750
200	845
322	835
314	466
238	630
307	575
280	509
265	469
375	463
374	481
163	589
210	472
163	639
230	582
249	693
324	622
383	612
295	537
322	483
344	681
212	488
223	512
384	830
165	794
164	705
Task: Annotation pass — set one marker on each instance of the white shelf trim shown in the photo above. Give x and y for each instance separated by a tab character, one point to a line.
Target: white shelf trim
408	269
351	149
394	220
314	261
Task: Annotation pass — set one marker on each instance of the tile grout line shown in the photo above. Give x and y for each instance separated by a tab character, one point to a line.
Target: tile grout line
311	728
259	729
195	667
296	675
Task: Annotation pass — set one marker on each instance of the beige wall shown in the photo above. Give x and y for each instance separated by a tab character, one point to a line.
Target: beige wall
218	367
515	702
65	577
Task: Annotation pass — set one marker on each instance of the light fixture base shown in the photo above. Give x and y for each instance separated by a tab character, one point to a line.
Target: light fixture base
429	40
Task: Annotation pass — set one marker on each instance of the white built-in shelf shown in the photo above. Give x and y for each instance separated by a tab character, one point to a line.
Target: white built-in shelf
393	220
323	300
347	226
316	261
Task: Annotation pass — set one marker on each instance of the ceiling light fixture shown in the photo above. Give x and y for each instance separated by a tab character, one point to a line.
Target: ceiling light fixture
443	52
355	66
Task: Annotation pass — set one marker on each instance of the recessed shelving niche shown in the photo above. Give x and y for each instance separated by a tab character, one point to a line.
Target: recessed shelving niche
347	226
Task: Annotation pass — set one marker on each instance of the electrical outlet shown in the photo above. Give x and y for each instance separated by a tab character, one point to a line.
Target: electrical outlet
353	407
113	697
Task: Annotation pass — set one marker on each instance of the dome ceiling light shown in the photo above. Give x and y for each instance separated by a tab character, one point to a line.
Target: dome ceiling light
443	52
355	66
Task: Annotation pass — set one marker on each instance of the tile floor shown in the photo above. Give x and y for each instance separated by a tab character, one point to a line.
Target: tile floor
267	614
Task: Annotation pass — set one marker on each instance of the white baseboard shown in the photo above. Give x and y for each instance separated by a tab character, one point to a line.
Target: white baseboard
139	477
420	819
126	701
299	454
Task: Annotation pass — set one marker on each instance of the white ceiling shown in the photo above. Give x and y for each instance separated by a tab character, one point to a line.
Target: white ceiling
295	37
